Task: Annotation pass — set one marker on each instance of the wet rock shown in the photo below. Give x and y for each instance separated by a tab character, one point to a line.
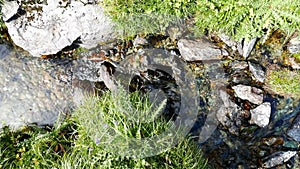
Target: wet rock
294	132
261	115
248	47
294	45
257	71
252	94
229	114
94	70
28	92
46	29
278	158
4	51
199	49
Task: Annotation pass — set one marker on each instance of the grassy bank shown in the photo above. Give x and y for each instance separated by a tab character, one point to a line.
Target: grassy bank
79	140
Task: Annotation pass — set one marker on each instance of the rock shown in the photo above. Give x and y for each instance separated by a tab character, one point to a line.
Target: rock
46	29
199	50
139	41
248	47
293	63
9	10
252	94
261	114
294	45
257	72
228	41
4	51
294	132
89	69
229	114
28	92
238	65
278	158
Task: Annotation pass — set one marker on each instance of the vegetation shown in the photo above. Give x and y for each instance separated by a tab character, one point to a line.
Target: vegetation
147	16
248	18
239	19
284	82
79	141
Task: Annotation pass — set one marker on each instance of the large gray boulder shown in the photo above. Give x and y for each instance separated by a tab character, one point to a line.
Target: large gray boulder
47	28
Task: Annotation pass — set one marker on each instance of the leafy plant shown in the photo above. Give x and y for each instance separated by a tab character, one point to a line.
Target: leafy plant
247	18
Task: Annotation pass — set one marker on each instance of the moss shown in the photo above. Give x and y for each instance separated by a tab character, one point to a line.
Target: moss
284	82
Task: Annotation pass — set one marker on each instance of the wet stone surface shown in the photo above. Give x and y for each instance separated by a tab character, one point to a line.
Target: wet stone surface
28	93
249	127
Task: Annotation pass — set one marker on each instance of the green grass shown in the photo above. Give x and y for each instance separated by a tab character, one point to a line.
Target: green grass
238	19
147	16
284	82
82	140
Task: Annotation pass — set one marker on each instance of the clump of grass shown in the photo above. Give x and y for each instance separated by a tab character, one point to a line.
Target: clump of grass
82	141
284	82
147	16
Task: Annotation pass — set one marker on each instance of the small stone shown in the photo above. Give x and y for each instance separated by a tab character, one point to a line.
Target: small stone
238	65
257	72
294	45
252	94
248	47
139	41
294	132
294	64
199	49
278	158
261	114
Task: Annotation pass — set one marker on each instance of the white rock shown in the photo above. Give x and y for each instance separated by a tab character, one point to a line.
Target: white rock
261	114
248	47
252	94
56	27
9	9
294	45
279	158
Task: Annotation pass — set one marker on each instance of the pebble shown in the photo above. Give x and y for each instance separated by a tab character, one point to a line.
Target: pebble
278	158
261	114
257	72
294	131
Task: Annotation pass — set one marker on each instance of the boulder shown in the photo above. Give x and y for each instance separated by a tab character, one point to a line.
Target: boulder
44	29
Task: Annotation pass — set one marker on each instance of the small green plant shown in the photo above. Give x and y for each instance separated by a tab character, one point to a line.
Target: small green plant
75	143
284	82
247	18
